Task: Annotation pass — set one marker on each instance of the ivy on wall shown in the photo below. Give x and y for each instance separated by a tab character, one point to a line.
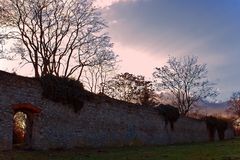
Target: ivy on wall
170	114
67	91
216	124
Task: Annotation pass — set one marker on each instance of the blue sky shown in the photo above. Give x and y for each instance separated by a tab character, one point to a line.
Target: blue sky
147	32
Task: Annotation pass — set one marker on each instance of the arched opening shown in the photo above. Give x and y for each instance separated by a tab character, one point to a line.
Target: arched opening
19	128
23	119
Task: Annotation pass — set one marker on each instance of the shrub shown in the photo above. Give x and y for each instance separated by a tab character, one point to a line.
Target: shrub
216	124
170	114
67	91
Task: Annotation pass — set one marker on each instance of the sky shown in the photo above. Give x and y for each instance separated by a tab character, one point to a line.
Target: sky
147	32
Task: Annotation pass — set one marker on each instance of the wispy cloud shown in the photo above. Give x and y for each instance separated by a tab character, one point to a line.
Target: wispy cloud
108	3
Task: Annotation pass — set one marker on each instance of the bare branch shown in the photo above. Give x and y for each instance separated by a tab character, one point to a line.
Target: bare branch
60	37
186	80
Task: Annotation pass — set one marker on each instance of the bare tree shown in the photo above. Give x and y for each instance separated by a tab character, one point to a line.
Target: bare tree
60	37
95	77
1	47
186	80
235	103
98	53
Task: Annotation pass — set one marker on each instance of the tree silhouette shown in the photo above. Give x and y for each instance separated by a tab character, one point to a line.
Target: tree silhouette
130	88
59	37
235	103
186	80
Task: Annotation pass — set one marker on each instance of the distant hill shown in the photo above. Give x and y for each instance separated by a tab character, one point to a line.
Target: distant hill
212	108
203	106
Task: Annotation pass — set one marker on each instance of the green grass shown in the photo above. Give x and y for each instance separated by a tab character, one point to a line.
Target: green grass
224	150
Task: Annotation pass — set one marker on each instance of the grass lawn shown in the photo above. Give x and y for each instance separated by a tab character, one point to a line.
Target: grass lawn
224	150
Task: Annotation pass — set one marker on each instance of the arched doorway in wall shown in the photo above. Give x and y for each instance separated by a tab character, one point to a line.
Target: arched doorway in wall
23	118
19	127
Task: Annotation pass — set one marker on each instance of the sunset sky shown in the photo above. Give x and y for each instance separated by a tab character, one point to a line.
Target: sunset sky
146	32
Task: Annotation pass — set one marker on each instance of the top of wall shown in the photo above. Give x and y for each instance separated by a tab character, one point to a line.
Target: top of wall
17	81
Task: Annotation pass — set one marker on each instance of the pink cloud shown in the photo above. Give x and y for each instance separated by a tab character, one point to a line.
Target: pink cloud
138	60
108	3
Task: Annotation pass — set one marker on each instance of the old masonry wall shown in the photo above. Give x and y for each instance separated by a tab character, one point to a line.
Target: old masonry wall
99	123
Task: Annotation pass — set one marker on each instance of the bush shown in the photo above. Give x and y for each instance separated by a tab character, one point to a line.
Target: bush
67	91
170	114
216	124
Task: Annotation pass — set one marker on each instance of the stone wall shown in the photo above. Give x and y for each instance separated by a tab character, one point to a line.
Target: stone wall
100	123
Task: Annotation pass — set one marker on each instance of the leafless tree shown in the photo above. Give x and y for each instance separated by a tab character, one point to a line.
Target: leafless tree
95	77
234	109
186	80
60	37
235	104
1	47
